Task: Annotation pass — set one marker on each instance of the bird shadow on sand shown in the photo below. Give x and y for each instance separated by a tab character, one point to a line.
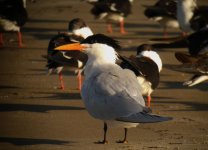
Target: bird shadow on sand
191	106
140	25
32	20
31	141
42	33
179	85
35	108
8	87
59	95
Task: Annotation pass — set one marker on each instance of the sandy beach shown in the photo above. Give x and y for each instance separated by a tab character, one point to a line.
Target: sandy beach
35	115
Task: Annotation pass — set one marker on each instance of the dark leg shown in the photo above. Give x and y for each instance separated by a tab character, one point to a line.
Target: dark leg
125	137
1	39
105	133
61	81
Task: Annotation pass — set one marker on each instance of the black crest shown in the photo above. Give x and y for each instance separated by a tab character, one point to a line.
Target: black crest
103	39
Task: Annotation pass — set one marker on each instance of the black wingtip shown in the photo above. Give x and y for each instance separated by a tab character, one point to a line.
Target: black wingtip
143	117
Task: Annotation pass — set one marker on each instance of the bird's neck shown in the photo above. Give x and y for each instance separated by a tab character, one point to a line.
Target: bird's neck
95	67
99	56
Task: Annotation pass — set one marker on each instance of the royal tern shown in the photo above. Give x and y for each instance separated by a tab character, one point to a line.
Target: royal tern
110	93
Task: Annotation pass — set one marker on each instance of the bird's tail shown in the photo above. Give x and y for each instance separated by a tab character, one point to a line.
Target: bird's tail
143	117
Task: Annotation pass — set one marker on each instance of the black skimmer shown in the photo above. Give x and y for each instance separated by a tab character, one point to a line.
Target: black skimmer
190	16
146	65
112	11
163	12
77	31
194	65
111	93
197	43
13	16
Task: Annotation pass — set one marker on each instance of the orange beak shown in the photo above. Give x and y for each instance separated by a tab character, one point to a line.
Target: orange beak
68	47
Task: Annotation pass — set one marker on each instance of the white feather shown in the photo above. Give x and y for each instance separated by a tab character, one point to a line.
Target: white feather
154	56
84	32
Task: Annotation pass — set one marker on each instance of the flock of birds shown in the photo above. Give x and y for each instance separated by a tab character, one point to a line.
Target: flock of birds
114	85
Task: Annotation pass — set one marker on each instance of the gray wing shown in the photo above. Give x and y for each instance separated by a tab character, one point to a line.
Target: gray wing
143	117
112	94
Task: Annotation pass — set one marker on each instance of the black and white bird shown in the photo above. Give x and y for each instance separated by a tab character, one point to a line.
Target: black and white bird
111	11
190	16
196	43
163	12
146	65
198	66
110	93
13	16
77	31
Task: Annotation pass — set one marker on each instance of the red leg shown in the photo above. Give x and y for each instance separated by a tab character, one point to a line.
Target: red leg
109	28
148	100
184	34
1	39
122	30
20	39
165	33
61	81
79	78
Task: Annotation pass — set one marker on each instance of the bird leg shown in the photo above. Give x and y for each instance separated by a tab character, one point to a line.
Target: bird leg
1	39
105	133
165	33
61	81
79	77
125	137
184	34
122	30
19	39
109	28
148	100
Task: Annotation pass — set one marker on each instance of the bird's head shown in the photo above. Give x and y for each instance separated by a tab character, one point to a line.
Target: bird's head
78	27
147	50
98	46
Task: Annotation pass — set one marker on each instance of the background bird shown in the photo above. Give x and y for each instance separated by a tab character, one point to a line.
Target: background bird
198	66
163	12
112	11
77	31
190	16
110	93
13	16
146	65
196	43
